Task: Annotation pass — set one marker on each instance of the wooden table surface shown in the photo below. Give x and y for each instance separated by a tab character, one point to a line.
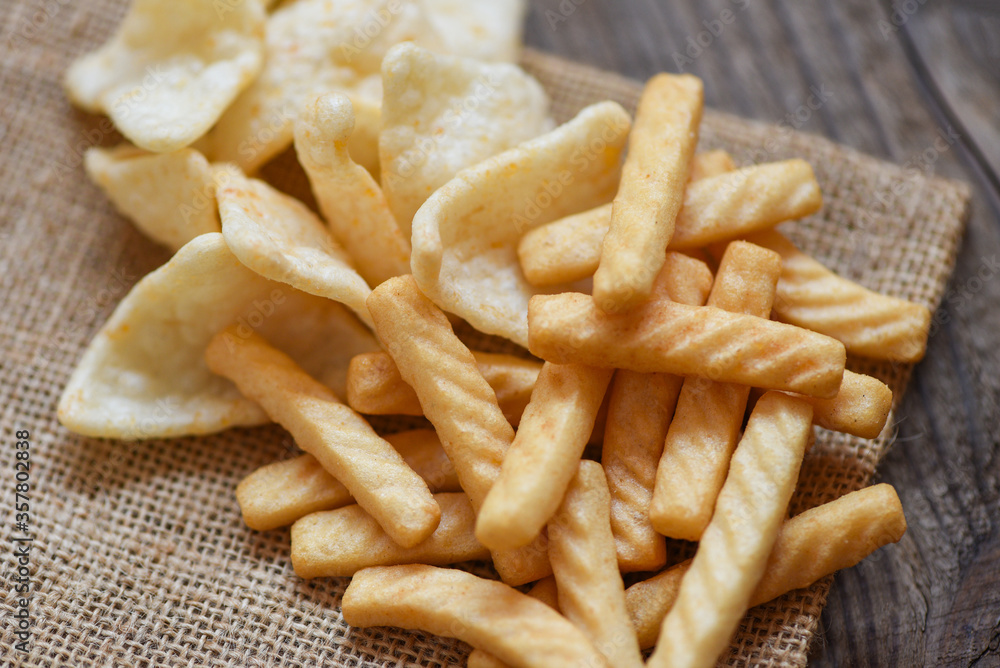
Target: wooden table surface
891	81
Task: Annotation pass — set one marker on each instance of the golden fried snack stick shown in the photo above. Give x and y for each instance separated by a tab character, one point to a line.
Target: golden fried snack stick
374	386
277	494
870	324
351	201
651	192
710	163
338	543
716	208
543	458
667	337
545	591
490	615
707	421
639	411
585	566
340	439
811	545
733	552
456	399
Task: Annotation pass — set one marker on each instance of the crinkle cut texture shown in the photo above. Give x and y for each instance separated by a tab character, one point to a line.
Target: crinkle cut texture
140	556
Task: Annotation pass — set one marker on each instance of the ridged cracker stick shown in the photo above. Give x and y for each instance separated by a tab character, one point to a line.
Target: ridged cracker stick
715	209
375	387
709	415
733	552
545	591
585	566
277	494
686	340
340	439
490	615
869	324
811	545
640	408
338	543
661	145
350	200
456	399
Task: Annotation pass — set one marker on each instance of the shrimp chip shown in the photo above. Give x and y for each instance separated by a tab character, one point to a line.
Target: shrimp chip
279	238
465	236
482	30
171	69
313	47
143	375
169	196
442	114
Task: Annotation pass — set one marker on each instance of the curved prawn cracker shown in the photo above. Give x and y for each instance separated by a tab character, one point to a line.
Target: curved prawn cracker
279	238
482	30
444	113
349	198
171	69
465	235
143	376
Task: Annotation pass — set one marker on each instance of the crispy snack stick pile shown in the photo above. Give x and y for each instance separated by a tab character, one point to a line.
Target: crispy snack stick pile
700	355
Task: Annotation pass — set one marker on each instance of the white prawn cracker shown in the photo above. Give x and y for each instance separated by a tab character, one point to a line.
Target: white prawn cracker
441	114
143	376
482	30
465	236
314	47
171	69
276	236
169	196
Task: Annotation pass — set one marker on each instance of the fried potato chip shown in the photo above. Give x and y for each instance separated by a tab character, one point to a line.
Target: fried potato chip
666	337
169	196
868	323
465	236
710	163
487	614
811	545
143	375
715	592
277	494
543	458
545	591
279	238
340	439
489	31
442	113
338	543
171	69
584	564
349	198
375	387
313	47
651	192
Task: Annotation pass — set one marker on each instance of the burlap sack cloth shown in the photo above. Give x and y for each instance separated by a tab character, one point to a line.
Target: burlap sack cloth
139	555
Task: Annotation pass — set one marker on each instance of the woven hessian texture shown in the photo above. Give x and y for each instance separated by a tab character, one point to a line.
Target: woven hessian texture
140	556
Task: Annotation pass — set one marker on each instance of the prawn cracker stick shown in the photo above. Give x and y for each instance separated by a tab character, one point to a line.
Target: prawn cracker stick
352	203
340	439
543	457
585	566
651	191
569	249
706	424
733	552
277	494
338	543
667	337
869	324
545	591
375	387
811	545
640	408
456	399
488	615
